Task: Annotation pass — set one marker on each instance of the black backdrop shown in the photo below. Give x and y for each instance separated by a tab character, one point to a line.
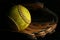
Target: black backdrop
53	5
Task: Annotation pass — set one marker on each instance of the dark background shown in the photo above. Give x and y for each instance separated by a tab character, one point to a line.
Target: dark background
5	5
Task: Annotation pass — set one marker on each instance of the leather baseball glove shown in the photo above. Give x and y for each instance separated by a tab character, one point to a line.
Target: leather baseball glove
37	28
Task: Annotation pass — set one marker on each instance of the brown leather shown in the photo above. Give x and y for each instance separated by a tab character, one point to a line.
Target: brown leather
36	29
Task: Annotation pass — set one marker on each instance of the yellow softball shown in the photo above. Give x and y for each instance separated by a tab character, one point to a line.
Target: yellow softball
20	16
